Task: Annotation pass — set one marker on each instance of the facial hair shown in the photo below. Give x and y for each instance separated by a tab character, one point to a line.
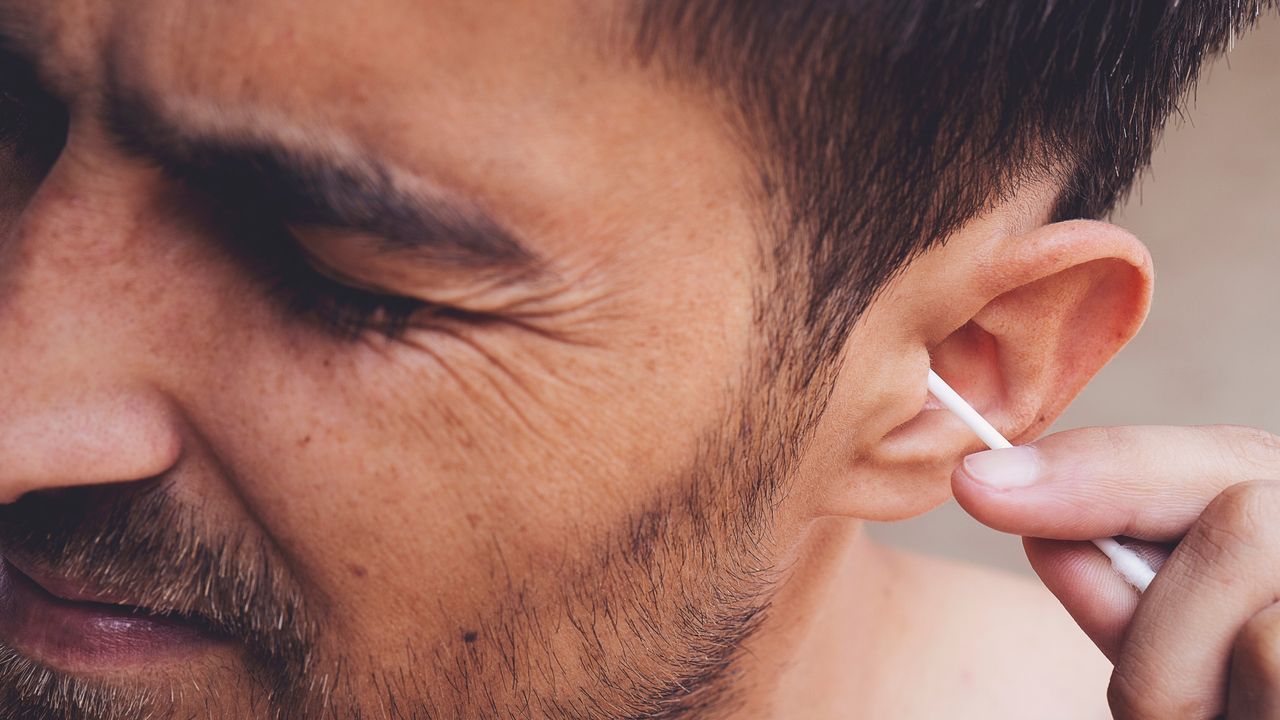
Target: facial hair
648	624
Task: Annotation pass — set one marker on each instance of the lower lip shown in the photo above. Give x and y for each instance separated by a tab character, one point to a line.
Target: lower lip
86	636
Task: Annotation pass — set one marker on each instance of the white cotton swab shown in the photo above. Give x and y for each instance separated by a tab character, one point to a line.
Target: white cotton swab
1126	562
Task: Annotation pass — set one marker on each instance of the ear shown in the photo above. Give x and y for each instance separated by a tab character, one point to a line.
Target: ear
1017	323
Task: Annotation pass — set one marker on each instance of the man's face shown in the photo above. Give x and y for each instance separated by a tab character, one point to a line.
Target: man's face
400	353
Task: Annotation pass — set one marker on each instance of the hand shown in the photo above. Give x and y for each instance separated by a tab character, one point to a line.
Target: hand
1205	637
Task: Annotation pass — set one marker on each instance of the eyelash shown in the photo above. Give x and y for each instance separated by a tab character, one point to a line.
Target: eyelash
294	280
346	311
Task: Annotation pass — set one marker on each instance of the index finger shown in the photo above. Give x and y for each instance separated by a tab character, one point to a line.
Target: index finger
1149	482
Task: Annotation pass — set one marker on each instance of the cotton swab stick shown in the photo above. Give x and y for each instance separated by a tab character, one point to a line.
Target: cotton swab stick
1126	562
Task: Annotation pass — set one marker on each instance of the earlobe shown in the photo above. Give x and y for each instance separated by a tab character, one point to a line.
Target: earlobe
1030	320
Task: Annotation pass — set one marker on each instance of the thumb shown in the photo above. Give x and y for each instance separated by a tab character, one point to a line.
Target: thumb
1149	483
1141	482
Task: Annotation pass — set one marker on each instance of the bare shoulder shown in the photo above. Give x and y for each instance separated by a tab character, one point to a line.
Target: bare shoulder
1006	647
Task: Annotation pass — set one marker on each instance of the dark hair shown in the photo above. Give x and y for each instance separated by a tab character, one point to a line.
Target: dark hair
880	126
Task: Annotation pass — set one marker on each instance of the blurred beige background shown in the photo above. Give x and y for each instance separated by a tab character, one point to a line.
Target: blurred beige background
1209	209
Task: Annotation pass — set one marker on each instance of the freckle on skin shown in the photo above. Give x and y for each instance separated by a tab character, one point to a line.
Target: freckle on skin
469	636
304	441
473	519
358	570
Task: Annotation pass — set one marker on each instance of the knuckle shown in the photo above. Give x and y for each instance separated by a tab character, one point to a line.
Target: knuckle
1257	649
1124	702
1236	528
1254	448
1147	684
1132	699
1240	513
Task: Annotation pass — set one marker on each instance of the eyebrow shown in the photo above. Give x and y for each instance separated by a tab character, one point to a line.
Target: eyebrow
302	180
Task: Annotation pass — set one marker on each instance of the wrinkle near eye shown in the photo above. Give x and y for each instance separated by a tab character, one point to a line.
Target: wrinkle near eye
510	379
559	306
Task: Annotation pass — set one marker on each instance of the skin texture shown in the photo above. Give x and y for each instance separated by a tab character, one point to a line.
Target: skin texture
1202	641
578	493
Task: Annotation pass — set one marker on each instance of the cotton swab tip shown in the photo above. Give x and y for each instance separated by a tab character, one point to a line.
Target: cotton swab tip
1129	564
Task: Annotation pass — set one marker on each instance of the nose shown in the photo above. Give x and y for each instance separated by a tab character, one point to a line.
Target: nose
84	436
78	403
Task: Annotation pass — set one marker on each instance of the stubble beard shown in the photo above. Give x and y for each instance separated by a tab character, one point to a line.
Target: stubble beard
650	624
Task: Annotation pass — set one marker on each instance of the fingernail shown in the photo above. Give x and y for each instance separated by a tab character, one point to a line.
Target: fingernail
1008	468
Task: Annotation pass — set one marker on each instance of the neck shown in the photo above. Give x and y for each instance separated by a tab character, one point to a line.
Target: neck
834	631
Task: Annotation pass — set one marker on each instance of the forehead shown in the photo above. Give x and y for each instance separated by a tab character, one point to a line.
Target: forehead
245	33
329	60
535	107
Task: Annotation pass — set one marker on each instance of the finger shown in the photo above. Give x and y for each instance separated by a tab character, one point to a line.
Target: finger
1253	690
1099	600
1175	654
1143	482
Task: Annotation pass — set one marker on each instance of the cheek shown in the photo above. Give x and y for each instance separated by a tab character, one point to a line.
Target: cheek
416	480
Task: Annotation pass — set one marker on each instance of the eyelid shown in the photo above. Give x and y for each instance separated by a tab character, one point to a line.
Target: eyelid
360	259
329	272
301	283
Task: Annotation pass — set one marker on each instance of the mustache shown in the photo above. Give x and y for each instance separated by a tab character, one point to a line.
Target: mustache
139	543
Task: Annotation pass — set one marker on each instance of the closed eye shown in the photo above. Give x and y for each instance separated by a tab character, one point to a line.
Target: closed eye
309	290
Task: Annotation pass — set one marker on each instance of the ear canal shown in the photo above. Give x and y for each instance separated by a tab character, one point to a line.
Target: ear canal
967	360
